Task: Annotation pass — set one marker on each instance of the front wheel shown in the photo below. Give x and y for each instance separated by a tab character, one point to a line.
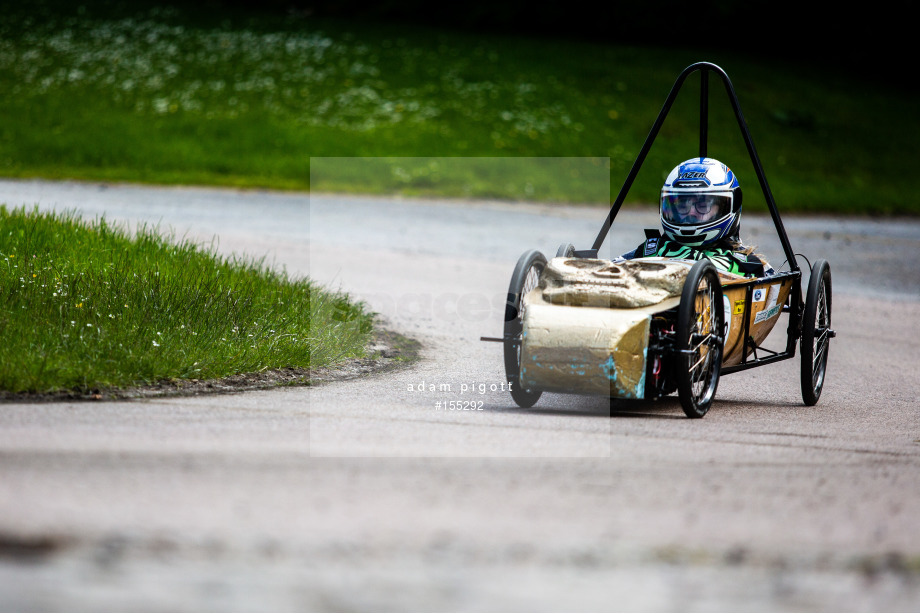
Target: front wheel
816	332
700	321
525	278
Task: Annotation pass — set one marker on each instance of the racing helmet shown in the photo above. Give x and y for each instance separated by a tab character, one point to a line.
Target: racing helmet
700	203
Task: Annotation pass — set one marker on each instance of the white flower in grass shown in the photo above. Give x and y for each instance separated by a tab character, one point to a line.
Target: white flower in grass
155	344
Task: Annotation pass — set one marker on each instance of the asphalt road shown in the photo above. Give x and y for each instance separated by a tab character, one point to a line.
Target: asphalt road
362	495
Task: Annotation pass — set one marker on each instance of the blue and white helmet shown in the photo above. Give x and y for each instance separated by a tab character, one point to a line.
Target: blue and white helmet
700	203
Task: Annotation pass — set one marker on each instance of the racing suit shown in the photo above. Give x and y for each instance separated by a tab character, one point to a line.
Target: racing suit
725	255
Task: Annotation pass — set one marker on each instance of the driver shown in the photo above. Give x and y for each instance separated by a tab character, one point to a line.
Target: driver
694	208
700	218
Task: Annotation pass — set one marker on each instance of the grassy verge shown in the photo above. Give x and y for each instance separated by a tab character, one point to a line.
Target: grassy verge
113	91
84	306
581	180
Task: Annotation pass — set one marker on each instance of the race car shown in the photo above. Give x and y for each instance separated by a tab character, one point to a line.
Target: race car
646	327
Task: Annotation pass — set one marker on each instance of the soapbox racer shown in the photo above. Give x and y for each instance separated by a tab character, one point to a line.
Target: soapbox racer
646	327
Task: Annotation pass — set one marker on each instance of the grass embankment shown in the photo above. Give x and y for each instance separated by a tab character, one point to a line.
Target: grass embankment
116	91
83	306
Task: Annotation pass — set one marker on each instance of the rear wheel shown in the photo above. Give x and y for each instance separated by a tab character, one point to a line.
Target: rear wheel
566	250
816	332
525	278
700	320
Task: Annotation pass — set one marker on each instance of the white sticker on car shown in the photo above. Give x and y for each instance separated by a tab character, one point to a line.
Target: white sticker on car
771	299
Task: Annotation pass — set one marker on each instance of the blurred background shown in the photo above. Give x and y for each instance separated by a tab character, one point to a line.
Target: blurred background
243	93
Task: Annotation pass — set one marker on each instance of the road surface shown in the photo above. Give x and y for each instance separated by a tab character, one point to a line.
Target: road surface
363	495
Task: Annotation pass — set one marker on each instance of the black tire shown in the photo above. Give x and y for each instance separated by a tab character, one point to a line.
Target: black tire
700	321
524	279
566	250
816	332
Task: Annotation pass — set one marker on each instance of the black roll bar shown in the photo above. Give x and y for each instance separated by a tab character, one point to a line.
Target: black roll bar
704	68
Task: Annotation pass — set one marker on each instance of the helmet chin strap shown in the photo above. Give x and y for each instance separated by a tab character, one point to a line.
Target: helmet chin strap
699	239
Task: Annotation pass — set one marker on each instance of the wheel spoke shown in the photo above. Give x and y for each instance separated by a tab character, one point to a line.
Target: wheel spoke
818	356
821	337
700	374
693	367
704	341
701	340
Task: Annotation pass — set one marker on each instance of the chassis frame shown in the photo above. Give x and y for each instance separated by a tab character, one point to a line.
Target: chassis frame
662	342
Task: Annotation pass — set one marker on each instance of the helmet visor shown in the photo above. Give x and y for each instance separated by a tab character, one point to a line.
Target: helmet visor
690	209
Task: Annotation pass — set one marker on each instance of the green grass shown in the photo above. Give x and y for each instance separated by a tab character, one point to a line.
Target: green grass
107	91
583	180
85	306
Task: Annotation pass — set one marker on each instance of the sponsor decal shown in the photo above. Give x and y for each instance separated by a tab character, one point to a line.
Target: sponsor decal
728	317
651	246
739	307
759	295
771	298
768	313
